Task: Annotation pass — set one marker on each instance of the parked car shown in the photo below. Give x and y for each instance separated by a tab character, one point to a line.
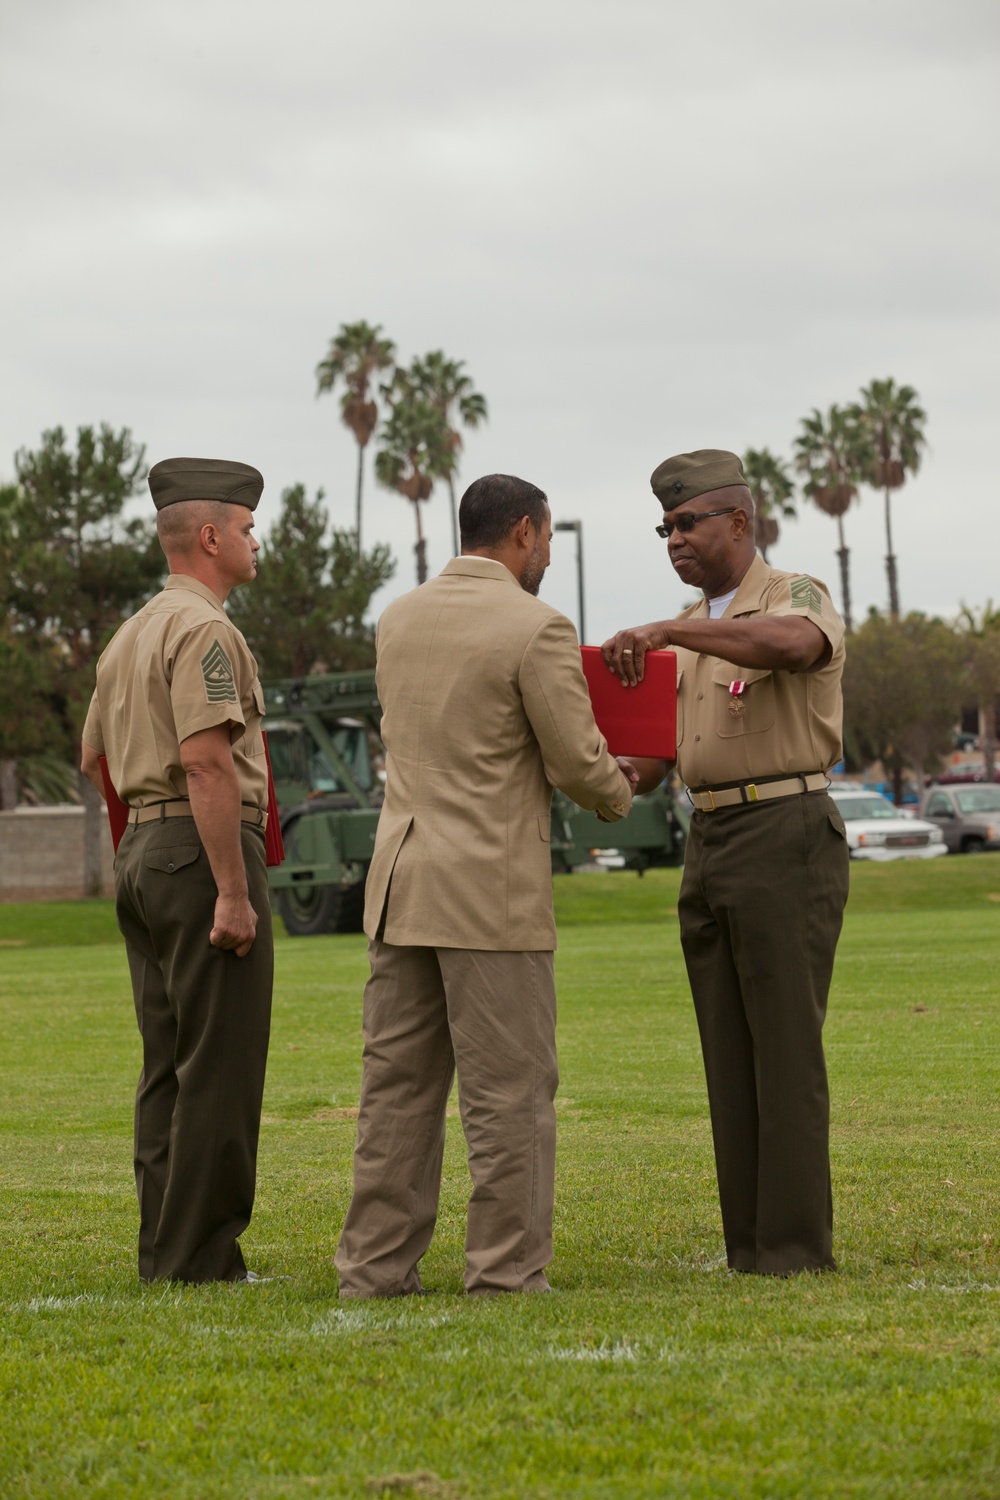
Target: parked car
878	830
968	816
963	775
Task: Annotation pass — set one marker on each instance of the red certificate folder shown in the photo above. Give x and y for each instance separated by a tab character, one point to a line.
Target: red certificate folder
118	812
636	720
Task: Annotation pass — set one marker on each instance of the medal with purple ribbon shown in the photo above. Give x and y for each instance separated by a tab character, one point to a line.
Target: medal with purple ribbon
737	707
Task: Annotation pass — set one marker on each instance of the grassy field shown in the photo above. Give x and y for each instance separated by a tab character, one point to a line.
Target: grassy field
651	1373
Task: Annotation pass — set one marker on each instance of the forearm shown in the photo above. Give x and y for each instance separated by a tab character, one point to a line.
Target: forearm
214	794
90	765
785	643
776	643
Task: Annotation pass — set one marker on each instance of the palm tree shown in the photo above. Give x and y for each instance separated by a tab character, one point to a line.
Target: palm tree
443	383
895	425
832	452
356	354
414	451
772	488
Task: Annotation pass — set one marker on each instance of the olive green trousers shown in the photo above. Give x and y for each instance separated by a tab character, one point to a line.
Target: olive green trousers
761	907
493	1015
204	1017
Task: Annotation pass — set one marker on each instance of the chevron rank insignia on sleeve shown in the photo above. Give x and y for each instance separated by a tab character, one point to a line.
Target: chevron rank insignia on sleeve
805	595
217	670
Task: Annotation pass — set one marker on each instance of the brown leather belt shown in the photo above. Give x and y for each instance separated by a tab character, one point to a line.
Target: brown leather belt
158	812
759	791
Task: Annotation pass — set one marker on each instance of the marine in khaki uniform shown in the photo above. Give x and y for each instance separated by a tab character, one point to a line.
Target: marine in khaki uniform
485	709
177	712
759	662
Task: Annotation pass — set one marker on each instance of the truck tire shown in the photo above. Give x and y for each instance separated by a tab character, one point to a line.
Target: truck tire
308	910
973	845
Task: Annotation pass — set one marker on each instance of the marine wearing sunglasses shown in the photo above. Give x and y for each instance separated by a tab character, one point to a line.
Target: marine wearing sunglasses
684	524
765	863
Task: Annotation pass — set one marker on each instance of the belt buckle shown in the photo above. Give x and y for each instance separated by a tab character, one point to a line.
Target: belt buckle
751	792
711	796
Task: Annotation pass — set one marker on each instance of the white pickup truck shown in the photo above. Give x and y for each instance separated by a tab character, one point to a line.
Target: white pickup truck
878	830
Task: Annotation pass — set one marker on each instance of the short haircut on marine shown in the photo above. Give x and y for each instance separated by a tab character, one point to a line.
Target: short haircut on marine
492	506
178	525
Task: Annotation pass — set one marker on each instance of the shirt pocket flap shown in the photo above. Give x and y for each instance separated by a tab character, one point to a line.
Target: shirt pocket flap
545	827
726	673
752	709
172	859
258	699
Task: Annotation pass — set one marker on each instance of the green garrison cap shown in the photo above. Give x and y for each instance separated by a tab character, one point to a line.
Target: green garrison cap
689	474
176	479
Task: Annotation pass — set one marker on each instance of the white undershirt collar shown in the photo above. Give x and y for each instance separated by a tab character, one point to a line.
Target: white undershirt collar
718	606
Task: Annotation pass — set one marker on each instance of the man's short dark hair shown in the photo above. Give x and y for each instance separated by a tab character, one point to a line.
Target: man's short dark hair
492	506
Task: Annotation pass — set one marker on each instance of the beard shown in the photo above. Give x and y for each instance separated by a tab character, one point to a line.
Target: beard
534	572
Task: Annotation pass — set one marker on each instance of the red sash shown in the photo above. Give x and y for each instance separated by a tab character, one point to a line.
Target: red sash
117	811
272	836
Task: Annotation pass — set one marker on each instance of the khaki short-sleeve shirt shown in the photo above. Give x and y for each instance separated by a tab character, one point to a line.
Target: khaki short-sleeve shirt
791	722
178	666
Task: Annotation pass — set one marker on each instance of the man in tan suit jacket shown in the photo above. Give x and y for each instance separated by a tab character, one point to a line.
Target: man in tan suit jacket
485	710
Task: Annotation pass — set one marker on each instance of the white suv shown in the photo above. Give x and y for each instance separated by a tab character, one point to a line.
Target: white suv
878	830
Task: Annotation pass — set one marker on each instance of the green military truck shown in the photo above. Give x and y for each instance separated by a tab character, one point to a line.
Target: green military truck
329	761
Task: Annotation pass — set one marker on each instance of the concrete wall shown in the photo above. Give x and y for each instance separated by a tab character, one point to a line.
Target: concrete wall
41	854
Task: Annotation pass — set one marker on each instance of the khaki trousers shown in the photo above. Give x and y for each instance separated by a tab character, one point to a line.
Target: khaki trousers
761	906
204	1016
426	1012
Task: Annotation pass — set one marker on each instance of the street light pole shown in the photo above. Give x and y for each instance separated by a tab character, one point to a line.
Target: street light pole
576	526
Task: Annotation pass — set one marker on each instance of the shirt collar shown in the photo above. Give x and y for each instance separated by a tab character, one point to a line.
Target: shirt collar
748	595
185	581
479	567
752	586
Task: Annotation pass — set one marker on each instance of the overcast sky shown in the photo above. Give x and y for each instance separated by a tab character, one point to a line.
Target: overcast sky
646	228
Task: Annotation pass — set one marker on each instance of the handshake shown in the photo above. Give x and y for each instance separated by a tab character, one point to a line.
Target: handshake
643	774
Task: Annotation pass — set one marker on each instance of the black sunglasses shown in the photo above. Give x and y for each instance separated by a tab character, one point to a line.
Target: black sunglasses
687	523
